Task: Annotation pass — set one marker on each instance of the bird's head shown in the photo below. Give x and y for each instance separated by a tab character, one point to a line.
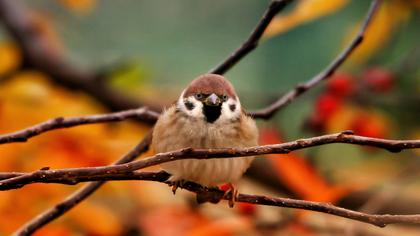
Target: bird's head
210	97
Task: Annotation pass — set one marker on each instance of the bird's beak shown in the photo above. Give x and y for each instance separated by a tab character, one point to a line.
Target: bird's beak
212	100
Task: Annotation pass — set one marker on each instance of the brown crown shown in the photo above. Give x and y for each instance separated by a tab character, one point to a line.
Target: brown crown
210	83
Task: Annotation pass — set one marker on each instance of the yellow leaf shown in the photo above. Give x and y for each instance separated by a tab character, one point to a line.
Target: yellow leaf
341	119
96	220
10	57
389	16
305	11
79	6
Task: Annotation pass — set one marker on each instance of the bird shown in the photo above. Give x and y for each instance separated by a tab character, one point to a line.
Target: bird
207	114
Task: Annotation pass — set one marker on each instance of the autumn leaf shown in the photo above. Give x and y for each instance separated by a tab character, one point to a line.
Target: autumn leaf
297	174
10	57
89	145
173	220
227	226
96	219
391	14
79	6
52	230
365	122
305	11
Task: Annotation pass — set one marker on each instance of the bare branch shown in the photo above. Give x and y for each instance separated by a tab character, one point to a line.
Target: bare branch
80	195
143	114
214	195
252	42
268	112
374	219
73	175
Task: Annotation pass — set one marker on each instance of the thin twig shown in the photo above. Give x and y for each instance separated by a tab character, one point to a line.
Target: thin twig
72	175
268	112
143	114
252	42
80	195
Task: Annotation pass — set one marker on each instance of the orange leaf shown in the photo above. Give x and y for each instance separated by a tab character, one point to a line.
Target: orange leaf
363	122
10	57
79	6
299	176
174	220
96	219
305	11
224	227
390	15
51	230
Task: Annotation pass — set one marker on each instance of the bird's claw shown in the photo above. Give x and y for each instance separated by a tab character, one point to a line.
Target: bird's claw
231	194
177	184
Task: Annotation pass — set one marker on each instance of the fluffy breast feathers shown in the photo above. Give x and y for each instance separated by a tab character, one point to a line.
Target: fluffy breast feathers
175	130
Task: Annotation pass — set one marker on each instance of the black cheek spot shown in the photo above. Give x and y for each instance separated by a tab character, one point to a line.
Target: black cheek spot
232	107
189	105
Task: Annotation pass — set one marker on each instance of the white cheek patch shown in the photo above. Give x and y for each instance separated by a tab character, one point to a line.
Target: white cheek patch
227	112
197	106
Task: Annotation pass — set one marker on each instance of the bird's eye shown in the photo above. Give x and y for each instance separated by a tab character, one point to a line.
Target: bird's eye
225	98
199	96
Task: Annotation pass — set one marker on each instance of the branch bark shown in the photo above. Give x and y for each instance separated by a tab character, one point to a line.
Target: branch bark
73	175
38	55
143	114
214	195
268	112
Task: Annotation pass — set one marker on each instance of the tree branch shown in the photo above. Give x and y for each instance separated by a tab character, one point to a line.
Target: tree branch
78	196
252	42
74	174
38	55
268	112
143	114
214	195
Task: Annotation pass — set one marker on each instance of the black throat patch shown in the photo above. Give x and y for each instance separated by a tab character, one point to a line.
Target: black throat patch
212	113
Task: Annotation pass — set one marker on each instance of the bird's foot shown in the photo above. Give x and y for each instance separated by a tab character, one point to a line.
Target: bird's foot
177	184
231	194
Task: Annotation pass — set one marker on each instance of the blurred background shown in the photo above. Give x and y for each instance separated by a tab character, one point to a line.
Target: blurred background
148	51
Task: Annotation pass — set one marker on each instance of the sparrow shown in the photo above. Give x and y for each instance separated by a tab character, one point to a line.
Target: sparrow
208	114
